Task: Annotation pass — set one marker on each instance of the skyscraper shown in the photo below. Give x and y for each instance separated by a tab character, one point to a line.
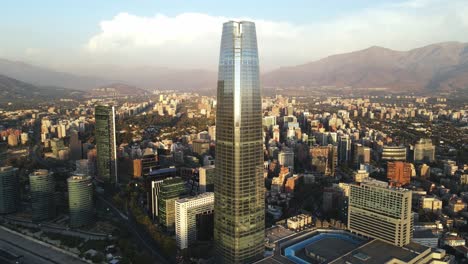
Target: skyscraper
42	185
379	211
80	200
105	143
239	192
3	153
9	191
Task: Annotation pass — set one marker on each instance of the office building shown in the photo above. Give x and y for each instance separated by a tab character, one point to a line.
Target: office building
3	153
42	184
344	149
286	158
360	175
80	200
206	176
75	146
9	190
170	190
390	153
201	146
424	151
152	185
239	186
430	204
361	155
399	173
105	144
149	162
379	211
194	219
324	159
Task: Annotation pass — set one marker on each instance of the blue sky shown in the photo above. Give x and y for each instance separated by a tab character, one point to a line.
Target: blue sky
71	33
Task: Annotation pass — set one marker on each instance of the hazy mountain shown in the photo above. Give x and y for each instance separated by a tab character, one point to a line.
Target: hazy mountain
439	66
14	90
117	89
442	66
97	76
45	77
152	77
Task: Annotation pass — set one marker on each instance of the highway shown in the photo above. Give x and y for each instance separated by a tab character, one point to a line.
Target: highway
136	232
33	252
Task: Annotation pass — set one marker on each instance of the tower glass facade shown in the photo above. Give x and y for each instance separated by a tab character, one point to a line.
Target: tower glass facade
80	200
105	143
239	192
9	192
42	185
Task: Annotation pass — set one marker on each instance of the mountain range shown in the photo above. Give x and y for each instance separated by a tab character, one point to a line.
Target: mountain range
13	89
442	66
437	67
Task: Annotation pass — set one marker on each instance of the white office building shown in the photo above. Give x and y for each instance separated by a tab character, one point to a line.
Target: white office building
189	211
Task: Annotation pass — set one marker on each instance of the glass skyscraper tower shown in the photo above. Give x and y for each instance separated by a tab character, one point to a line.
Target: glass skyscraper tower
105	143
239	189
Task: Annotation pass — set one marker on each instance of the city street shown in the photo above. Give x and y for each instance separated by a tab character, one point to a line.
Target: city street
33	253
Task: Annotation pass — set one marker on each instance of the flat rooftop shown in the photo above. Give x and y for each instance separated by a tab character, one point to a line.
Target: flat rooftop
377	252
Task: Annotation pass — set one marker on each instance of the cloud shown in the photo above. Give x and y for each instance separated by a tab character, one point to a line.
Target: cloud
30	52
192	39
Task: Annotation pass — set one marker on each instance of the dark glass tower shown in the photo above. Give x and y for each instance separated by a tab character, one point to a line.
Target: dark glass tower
105	143
42	184
239	193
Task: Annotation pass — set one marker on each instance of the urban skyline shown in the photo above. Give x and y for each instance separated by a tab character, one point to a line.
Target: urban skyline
358	157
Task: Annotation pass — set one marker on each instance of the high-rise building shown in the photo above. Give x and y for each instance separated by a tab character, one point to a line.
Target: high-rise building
399	173
424	151
239	186
324	159
8	189
105	143
80	200
3	153
379	211
42	186
206	178
170	190
344	149
361	155
75	146
194	219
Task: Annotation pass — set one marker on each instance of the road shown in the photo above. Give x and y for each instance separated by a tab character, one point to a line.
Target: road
33	252
136	232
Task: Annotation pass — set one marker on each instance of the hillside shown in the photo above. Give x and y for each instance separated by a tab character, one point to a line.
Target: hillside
13	90
442	66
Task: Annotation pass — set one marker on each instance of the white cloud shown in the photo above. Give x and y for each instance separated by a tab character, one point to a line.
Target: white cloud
192	39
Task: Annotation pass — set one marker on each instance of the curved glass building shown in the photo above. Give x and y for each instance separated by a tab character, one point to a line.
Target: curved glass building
8	189
42	185
239	192
80	200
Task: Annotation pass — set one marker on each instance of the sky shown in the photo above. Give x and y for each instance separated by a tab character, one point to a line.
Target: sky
71	35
